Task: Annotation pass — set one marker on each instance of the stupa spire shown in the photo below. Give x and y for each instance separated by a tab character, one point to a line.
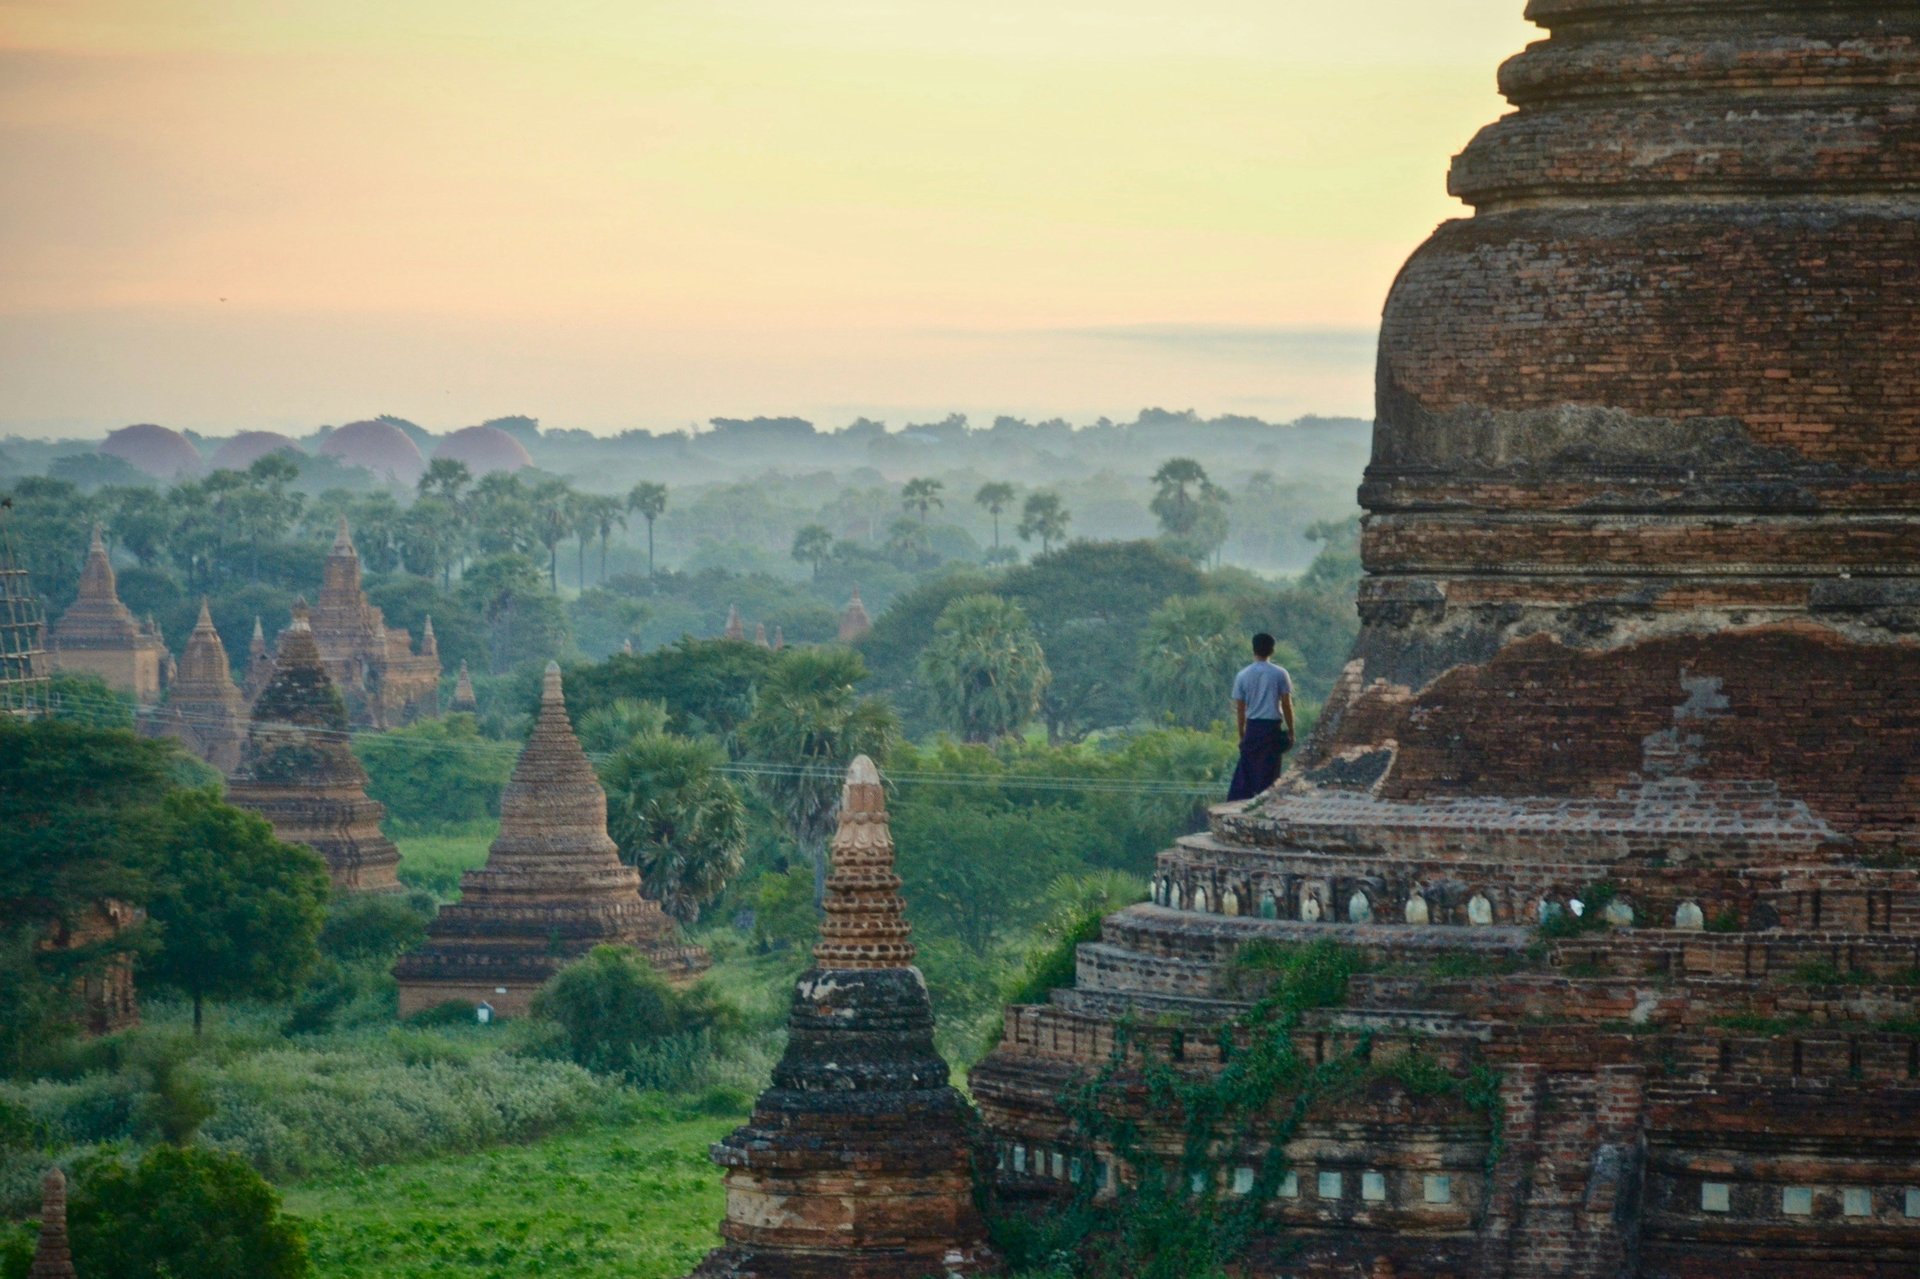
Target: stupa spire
736	629
97	581
99	635
865	924
429	645
343	539
854	622
53	1259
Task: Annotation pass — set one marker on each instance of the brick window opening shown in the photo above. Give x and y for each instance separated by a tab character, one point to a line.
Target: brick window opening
1716	1196
1913	1203
1243	1181
1797	1201
1059	1166
1373	1187
1438	1188
1290	1186
1856	1201
1197	1183
1331	1185
1019	1158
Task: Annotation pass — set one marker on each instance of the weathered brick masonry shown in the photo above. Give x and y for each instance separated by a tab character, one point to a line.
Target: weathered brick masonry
1642	610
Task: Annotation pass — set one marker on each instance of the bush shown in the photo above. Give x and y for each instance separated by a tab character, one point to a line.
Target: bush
182	1212
621	1017
437	773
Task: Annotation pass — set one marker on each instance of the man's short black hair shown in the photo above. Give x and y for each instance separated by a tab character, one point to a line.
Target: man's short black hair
1263	645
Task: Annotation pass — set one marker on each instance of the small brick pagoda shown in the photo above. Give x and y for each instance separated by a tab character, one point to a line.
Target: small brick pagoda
464	702
385	683
552	889
205	710
98	635
53	1256
858	1161
854	621
1639	659
299	772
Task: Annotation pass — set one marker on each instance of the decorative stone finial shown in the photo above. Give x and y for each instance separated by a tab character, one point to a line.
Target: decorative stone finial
97	580
53	1259
736	629
343	539
463	698
865	924
429	646
760	634
205	620
854	622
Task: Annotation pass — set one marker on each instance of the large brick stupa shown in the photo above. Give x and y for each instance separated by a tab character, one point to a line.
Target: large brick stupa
858	1161
552	889
299	771
1639	658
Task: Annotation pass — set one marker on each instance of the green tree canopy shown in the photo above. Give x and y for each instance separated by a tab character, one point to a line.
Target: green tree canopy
996	497
80	822
984	668
615	1012
812	544
238	911
677	818
1189	652
182	1212
808	724
706	685
435	773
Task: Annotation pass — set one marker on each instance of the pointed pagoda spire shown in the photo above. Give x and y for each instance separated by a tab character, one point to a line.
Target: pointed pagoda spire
553	804
626	646
53	1259
98	634
463	698
205	710
760	635
343	539
736	629
854	622
97	581
429	646
258	646
865	924
779	638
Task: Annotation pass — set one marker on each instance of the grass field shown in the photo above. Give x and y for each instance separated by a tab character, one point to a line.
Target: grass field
639	1201
436	862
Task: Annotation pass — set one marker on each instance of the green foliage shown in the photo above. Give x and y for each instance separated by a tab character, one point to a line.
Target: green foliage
375	928
521	619
783	913
807	725
676	817
433	864
450	1216
238	911
610	727
1189	654
182	1212
1563	923
435	774
984	668
707	686
80	812
618	1016
1821	972
89	700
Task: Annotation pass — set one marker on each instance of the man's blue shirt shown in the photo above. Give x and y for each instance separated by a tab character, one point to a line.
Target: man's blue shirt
1261	686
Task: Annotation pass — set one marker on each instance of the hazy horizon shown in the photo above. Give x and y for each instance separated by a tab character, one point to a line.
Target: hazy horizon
649	214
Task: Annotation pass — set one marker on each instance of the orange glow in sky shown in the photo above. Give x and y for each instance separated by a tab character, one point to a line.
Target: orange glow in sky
223	214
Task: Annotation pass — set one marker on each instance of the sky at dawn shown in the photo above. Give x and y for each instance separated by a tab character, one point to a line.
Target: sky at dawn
224	214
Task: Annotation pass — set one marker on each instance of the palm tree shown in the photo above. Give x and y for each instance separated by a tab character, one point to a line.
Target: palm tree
1045	518
922	495
676	818
985	668
446	477
812	544
553	520
807	725
996	497
608	515
1177	509
650	500
1188	655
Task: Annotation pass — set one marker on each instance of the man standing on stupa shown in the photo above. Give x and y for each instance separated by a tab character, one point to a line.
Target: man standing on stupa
1262	699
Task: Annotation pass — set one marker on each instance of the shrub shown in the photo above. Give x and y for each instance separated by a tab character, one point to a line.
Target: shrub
621	1017
182	1212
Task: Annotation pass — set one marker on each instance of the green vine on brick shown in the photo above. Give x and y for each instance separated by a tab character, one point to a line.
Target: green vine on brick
1169	1218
